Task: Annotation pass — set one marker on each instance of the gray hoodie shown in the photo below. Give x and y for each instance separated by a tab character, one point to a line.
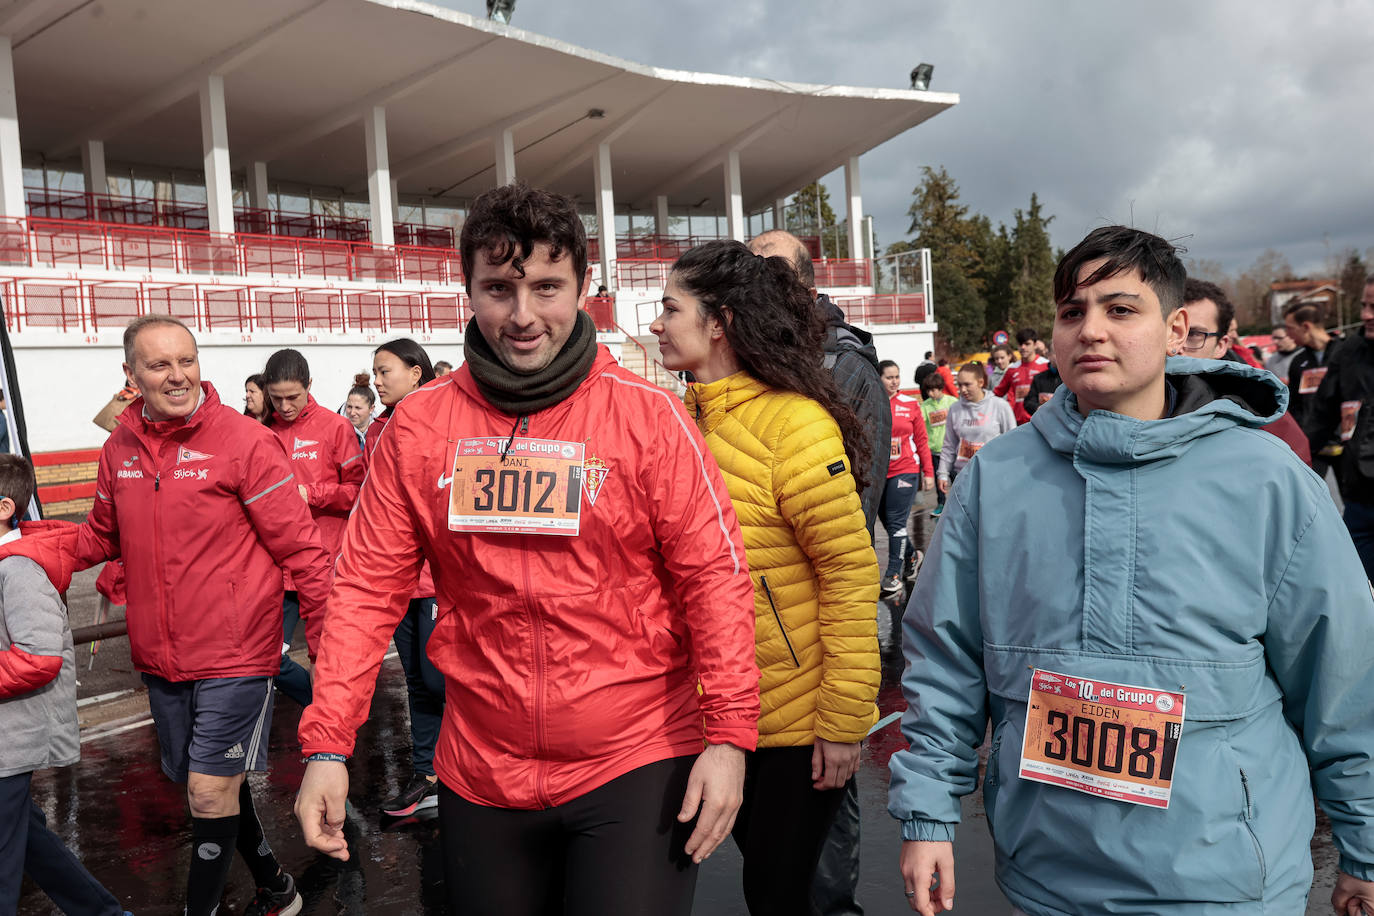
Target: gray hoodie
39	727
970	426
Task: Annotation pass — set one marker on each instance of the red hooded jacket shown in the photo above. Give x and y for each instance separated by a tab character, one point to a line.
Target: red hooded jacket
203	511
324	452
1015	385
23	672
568	660
425	587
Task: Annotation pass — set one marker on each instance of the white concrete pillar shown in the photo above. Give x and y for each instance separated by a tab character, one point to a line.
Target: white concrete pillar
855	220
734	199
214	141
395	200
780	213
605	212
11	168
379	191
93	167
258	194
505	158
661	223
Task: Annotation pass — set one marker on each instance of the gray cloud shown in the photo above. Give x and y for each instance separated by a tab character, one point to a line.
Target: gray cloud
1235	126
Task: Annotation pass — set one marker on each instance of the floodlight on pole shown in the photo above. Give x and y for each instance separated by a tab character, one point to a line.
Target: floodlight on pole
920	77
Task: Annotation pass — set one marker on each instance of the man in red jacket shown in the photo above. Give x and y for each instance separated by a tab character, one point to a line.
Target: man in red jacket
590	578
201	504
1015	384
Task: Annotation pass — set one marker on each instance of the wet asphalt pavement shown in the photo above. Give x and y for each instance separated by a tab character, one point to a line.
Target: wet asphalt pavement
128	823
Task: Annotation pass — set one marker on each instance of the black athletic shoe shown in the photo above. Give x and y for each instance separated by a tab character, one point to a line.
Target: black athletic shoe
268	902
421	793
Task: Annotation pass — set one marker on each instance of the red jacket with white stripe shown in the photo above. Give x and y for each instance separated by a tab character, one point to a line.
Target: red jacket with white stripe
1015	385
324	452
568	660
204	511
910	452
425	587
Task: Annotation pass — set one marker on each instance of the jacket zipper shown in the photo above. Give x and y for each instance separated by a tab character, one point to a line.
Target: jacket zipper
768	593
537	628
160	573
1254	837
521	426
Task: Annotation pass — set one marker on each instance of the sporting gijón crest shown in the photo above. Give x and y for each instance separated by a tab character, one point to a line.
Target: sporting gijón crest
594	473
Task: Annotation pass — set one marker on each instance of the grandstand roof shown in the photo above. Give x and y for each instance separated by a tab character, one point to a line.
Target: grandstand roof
298	75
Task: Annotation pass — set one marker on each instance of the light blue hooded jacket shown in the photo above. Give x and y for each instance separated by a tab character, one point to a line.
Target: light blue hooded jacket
1195	553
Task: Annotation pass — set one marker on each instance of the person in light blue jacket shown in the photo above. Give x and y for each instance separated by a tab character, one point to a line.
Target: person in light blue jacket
1095	559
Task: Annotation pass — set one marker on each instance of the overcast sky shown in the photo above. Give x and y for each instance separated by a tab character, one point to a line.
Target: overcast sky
1242	125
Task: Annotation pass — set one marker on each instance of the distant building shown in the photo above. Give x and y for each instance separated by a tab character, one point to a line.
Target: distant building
1283	293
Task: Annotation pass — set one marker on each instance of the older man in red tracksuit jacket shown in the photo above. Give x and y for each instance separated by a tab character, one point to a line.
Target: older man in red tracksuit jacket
201	504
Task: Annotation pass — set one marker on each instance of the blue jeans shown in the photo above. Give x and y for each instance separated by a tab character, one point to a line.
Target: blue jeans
898	494
27	845
1359	521
424	683
293	680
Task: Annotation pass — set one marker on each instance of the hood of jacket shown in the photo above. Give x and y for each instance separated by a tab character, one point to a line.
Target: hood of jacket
1209	396
842	336
51	545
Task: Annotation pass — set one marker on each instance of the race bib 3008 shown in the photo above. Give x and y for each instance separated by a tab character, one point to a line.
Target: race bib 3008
1112	740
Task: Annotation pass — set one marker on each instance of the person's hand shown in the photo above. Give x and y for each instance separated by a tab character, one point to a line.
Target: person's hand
715	789
1352	897
927	482
832	763
320	807
300	488
928	876
944	485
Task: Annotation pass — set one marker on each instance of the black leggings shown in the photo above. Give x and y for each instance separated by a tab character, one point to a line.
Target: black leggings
616	851
780	829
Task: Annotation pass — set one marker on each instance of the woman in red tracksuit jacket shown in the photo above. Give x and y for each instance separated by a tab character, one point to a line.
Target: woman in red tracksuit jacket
324	454
399	367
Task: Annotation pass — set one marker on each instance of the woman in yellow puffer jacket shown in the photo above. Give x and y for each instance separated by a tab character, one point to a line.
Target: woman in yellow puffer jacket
787	444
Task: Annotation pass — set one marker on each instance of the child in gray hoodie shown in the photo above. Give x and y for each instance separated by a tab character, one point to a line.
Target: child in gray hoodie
37	718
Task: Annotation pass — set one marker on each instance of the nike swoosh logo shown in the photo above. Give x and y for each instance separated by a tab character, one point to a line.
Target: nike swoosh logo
445	481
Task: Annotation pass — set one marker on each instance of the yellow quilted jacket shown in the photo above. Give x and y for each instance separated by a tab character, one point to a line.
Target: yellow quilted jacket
812	563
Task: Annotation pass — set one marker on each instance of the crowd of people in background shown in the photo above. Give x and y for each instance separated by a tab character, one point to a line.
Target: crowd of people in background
631	627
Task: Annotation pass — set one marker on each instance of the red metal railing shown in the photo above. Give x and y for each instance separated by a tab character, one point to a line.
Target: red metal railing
843	272
118	246
652	272
632	273
602	310
93	305
907	308
151	212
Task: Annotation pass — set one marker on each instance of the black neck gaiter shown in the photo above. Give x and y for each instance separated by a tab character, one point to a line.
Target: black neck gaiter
519	393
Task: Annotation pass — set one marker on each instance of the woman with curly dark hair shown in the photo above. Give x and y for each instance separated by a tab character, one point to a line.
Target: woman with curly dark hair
790	449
